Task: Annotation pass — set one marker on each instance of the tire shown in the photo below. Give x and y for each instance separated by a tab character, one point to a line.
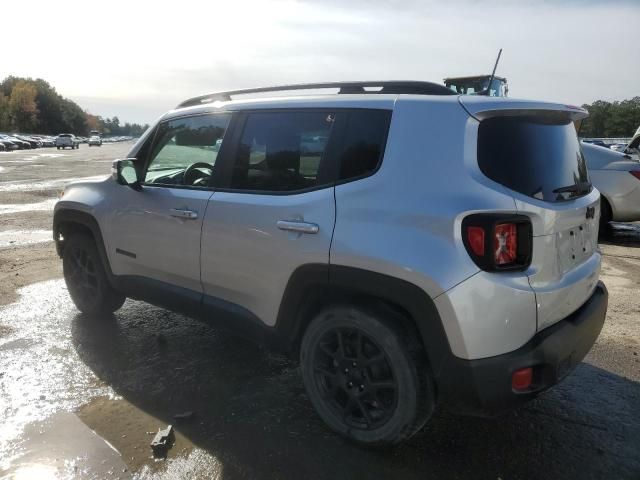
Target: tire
606	215
367	379
86	279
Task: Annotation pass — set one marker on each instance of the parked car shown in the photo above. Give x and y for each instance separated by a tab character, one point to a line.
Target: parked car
31	141
8	144
65	140
633	149
95	140
617	177
600	143
618	147
409	264
22	145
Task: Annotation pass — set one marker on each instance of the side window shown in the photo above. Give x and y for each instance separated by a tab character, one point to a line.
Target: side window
364	142
185	150
281	151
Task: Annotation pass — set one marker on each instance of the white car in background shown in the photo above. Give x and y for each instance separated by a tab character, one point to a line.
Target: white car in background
633	149
95	140
617	177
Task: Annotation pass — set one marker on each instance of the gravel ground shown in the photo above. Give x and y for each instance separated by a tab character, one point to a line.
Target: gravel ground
69	384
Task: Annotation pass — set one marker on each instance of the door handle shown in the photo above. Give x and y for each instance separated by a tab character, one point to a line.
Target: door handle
184	213
297	226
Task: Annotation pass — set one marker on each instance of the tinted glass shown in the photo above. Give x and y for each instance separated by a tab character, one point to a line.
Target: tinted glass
533	157
281	151
186	149
364	142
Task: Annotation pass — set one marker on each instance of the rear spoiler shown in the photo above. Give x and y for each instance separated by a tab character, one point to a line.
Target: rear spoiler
486	107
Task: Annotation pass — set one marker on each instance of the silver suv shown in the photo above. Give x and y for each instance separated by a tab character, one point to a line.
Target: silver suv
412	247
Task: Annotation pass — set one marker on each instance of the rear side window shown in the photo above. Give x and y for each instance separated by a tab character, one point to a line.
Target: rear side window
282	151
364	143
533	156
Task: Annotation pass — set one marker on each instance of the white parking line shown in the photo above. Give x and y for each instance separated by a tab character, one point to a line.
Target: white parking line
15	238
28	207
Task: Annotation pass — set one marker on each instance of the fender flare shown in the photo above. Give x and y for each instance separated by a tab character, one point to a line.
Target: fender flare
314	285
66	216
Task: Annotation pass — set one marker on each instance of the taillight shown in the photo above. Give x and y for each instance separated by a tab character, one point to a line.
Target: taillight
497	241
505	243
475	237
635	173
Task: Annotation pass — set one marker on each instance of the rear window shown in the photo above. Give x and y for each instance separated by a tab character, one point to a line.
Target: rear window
65	135
533	156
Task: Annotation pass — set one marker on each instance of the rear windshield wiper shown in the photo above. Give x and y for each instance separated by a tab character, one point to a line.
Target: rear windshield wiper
583	187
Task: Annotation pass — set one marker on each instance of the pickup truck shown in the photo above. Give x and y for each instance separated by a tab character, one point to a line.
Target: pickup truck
65	140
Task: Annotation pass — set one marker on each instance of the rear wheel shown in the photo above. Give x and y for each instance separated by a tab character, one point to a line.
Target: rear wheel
364	376
86	279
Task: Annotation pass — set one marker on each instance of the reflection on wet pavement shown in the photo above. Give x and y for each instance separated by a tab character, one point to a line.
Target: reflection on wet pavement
41	373
14	238
26	185
252	418
45	205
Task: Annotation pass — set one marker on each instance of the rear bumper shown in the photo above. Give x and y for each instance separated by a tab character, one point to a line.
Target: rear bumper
483	387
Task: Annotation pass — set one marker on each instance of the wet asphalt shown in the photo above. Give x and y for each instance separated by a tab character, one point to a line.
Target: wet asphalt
80	395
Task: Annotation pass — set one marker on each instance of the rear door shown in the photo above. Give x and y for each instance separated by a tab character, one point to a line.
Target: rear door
536	154
274	213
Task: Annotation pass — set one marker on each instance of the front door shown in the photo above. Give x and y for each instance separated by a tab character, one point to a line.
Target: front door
154	234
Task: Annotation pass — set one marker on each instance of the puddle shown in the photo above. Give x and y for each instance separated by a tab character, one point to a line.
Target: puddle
63	447
15	238
46	386
43	206
26	185
42	373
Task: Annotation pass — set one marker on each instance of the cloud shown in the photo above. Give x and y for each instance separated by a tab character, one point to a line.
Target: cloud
144	61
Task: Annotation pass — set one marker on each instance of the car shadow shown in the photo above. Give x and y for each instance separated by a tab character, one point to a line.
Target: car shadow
254	417
618	233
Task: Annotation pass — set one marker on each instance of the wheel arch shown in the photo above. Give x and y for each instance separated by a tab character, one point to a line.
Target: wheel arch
312	287
67	222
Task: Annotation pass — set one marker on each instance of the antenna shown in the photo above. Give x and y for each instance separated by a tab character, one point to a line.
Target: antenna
493	74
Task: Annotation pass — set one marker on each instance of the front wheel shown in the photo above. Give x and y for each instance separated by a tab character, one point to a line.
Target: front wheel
86	278
366	378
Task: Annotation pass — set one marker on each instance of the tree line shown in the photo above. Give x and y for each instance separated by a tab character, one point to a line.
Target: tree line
34	106
611	119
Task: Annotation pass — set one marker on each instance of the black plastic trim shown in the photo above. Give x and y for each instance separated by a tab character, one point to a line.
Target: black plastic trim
488	222
483	387
70	217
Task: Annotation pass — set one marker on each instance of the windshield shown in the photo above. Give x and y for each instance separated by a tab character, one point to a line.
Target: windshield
538	158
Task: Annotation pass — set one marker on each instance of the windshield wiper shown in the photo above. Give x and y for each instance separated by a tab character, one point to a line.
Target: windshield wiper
582	187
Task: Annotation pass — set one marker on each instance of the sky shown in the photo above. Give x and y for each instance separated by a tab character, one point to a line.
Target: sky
138	59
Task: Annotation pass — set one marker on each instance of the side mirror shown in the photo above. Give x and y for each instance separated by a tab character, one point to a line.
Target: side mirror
124	172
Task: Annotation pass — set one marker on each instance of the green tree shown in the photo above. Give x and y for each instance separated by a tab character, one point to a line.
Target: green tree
22	106
4	112
611	119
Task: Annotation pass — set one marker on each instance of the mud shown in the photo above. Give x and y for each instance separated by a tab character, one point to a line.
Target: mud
81	397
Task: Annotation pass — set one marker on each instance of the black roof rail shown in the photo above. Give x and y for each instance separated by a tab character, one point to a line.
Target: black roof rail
394	87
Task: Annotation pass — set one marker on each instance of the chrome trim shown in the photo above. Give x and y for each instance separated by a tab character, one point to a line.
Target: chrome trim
181	213
297	226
